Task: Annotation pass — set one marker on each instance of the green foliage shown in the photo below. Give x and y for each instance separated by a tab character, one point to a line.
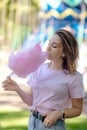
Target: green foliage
35	3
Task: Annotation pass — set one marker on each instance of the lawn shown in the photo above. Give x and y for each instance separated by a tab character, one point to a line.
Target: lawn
14	120
79	123
18	120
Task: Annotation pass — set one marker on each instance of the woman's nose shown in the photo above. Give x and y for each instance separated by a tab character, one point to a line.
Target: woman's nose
48	48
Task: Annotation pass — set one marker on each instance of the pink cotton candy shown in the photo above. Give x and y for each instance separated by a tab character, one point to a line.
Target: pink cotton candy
26	61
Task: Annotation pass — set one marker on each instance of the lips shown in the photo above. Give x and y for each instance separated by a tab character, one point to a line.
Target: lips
48	54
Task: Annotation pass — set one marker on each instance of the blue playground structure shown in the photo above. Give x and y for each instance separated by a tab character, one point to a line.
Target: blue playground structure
55	14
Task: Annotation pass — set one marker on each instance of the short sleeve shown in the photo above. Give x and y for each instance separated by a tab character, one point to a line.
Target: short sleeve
33	77
76	88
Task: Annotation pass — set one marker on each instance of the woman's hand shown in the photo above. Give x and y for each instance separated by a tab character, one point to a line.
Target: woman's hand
9	84
52	117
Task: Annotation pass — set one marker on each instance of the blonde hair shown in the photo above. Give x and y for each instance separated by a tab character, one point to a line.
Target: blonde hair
70	48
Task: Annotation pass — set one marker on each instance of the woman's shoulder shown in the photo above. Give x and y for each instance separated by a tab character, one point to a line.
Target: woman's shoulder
76	77
77	74
74	74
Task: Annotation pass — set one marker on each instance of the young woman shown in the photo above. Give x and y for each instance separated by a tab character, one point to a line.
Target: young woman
56	87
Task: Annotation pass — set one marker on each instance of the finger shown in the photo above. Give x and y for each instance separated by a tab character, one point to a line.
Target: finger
46	121
3	82
5	87
6	82
9	88
9	80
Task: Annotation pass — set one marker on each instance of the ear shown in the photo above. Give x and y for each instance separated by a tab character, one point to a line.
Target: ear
63	55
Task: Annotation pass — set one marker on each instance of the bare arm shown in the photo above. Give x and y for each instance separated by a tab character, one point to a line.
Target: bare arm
10	85
74	111
26	97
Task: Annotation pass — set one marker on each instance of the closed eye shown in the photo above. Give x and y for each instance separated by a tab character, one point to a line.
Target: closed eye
54	46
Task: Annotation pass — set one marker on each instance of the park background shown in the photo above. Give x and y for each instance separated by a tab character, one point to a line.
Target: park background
25	22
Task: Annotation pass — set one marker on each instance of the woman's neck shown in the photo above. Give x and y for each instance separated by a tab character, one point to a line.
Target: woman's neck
56	66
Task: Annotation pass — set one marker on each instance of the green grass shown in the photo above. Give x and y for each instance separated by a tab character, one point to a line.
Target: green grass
78	123
14	120
18	120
